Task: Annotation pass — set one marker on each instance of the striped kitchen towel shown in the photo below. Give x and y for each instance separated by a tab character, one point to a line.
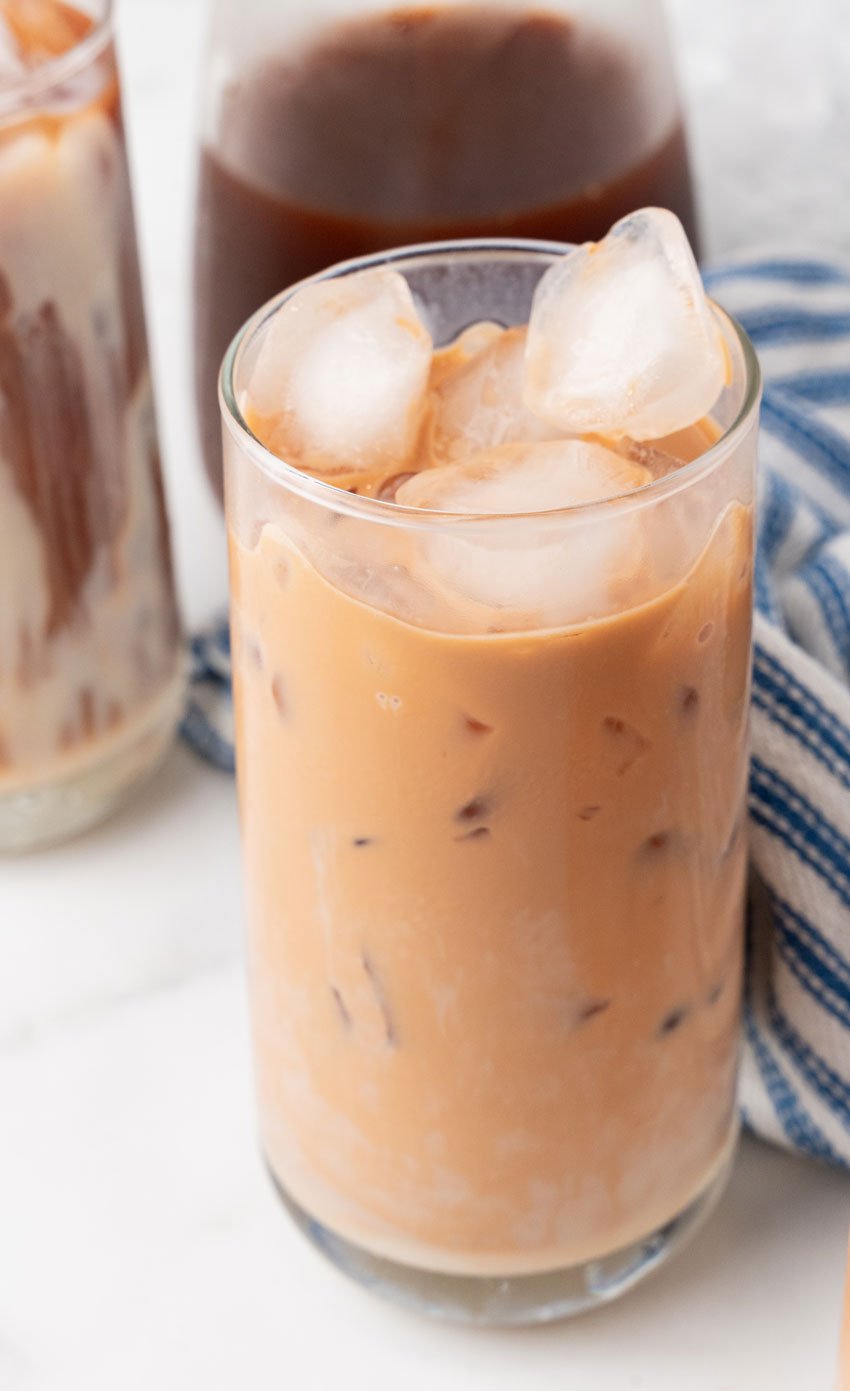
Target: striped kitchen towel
796	1075
795	1087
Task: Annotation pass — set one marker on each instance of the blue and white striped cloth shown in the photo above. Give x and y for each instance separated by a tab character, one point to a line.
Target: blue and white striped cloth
796	1076
795	1087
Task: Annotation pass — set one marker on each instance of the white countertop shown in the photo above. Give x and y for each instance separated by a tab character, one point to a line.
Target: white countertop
140	1243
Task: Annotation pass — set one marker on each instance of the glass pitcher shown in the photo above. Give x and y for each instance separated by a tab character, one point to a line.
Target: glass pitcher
349	126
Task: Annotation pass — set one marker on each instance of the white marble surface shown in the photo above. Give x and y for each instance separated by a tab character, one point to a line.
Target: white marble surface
140	1245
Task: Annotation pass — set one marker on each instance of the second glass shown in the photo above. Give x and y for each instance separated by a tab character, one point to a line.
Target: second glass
91	664
495	859
339	128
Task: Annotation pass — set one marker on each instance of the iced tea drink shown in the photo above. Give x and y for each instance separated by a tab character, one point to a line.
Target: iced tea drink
90	679
491	699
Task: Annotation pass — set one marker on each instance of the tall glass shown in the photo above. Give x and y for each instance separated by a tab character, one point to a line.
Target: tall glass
495	870
90	668
345	126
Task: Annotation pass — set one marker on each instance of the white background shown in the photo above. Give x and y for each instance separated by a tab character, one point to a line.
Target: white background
140	1246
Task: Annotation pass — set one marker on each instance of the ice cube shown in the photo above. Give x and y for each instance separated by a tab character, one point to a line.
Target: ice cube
621	339
476	395
340	382
468	344
525	477
543	571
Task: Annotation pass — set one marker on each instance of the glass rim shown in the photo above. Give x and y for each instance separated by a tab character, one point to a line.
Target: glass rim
35	81
387	513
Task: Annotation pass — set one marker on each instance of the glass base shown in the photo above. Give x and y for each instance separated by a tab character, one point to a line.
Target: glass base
490	1301
42	814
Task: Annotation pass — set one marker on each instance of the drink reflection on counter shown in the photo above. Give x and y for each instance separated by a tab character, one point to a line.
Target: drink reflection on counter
329	135
90	668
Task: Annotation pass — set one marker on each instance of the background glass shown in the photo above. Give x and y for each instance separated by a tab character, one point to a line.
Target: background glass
90	667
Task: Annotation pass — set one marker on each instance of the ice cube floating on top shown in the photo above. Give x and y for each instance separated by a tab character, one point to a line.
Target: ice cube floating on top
342	374
621	343
542	477
477	396
558	578
622	339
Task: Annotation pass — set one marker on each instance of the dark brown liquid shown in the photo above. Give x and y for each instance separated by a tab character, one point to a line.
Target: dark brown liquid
417	126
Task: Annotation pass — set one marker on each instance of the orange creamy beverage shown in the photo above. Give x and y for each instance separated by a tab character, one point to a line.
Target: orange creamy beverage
89	639
492	782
